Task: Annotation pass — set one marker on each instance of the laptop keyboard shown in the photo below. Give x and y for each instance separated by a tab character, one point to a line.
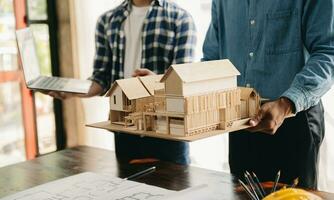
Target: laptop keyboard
52	83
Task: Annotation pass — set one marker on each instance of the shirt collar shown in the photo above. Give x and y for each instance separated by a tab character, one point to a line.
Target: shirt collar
127	3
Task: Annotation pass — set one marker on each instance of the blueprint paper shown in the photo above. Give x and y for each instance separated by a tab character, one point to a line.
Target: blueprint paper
201	192
91	186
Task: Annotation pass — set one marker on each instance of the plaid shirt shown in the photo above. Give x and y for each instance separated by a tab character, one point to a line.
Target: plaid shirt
169	36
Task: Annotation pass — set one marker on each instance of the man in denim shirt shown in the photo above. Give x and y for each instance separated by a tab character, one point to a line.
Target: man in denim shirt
285	50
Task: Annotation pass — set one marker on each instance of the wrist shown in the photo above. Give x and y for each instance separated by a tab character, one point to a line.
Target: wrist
288	105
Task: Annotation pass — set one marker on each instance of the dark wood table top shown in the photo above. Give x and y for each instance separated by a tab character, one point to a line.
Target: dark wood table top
22	176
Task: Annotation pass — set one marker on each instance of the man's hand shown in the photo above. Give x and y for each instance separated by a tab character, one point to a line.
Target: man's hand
64	95
271	116
142	72
94	90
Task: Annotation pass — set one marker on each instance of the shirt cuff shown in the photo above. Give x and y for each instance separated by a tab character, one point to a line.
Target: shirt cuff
298	96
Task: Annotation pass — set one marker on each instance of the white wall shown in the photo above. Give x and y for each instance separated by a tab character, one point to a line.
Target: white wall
96	109
326	172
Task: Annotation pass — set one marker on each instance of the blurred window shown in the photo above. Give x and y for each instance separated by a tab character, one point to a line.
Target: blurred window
12	147
12	144
46	127
37	10
8	51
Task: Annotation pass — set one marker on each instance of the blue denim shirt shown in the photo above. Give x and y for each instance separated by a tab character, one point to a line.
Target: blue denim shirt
281	47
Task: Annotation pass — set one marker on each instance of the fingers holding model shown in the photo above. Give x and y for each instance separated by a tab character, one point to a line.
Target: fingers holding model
271	116
142	72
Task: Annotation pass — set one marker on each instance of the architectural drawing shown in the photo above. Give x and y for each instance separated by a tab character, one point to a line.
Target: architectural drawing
91	186
141	196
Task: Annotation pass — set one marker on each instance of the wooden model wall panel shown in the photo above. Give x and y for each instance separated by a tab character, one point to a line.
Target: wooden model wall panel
117	116
175	105
202	120
173	85
253	106
250	102
160	103
212	101
116	100
213	117
210	110
233	113
221	100
233	98
177	126
161	125
144	104
202	87
244	109
196	121
128	105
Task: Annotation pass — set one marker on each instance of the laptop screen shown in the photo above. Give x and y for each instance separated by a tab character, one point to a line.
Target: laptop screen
26	44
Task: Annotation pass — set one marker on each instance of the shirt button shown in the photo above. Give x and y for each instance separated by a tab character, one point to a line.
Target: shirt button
252	22
251	54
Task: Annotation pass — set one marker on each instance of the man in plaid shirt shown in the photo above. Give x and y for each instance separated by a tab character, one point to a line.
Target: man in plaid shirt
139	38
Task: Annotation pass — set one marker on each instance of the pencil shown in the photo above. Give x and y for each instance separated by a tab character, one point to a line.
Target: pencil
251	186
295	183
259	184
256	187
247	190
144	172
276	181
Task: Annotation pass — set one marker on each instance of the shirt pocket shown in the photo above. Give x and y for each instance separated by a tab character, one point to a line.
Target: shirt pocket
282	32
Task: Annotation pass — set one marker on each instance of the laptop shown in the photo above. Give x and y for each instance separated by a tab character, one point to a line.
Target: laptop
31	69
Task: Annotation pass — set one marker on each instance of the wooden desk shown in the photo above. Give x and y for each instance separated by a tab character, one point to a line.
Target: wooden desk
61	164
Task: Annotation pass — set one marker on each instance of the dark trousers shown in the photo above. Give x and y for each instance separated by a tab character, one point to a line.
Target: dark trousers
294	150
129	147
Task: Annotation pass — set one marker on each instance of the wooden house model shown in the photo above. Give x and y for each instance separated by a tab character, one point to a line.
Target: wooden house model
188	100
198	97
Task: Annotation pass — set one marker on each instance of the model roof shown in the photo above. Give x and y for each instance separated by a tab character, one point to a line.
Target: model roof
152	83
246	92
194	72
132	88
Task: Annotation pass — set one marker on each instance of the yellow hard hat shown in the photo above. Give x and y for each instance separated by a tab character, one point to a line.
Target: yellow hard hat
292	194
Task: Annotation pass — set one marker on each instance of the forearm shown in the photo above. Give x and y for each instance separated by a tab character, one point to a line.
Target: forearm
95	90
312	82
317	76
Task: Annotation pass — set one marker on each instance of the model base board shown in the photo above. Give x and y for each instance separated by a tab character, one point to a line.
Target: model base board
107	125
